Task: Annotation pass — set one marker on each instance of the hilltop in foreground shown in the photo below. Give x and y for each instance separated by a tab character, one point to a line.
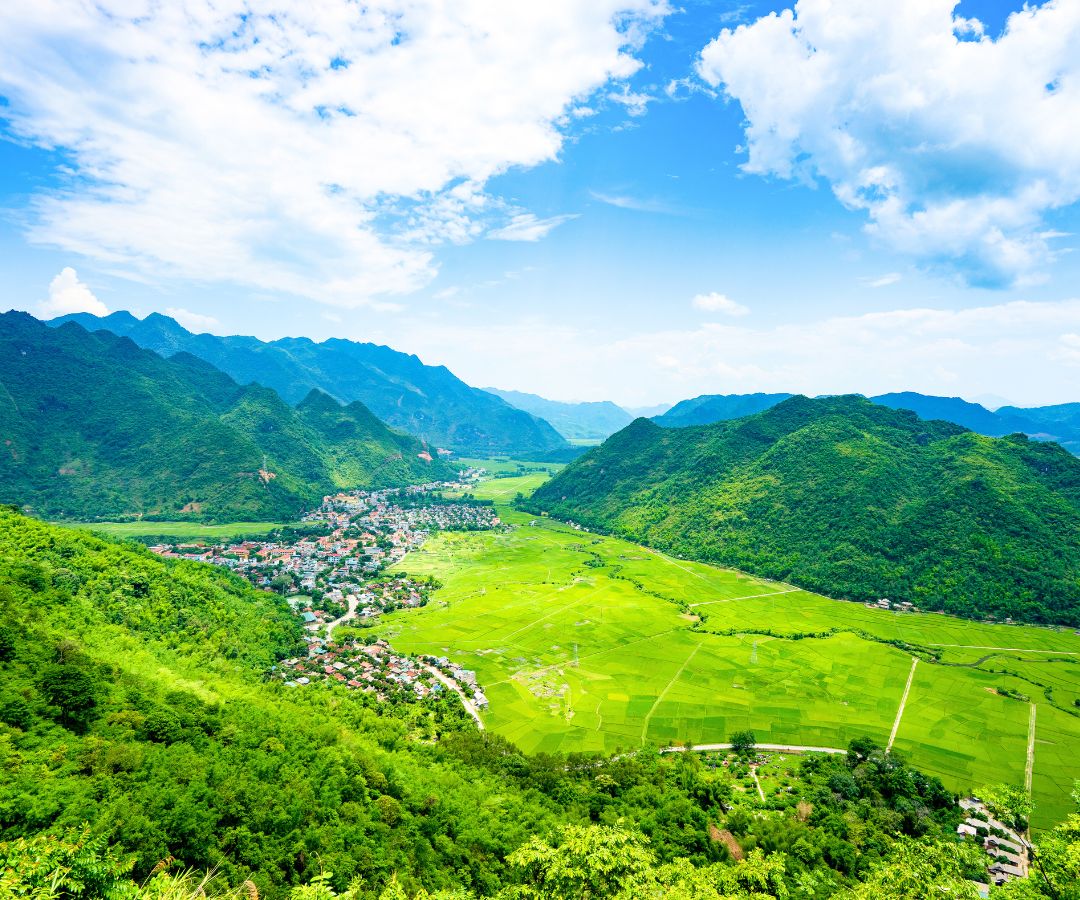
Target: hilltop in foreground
850	499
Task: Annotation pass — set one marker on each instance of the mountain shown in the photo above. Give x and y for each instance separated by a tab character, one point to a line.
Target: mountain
427	401
637	412
1061	422
574	421
851	499
95	427
1054	423
716	408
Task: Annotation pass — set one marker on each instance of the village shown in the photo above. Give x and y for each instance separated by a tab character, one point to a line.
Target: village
331	569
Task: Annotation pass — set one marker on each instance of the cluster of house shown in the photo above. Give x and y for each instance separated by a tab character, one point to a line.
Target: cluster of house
465	679
1003	845
337	576
901	605
373	668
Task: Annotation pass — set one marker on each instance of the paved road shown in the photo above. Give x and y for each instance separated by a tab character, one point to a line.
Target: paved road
351	614
782	748
470	707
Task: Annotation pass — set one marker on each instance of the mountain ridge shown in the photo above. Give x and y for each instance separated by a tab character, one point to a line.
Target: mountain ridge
847	498
97	427
429	402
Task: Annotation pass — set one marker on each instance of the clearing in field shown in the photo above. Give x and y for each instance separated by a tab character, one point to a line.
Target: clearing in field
591	643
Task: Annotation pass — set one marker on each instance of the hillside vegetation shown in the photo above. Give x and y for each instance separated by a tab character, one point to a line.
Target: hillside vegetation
850	499
1054	423
427	401
95	427
131	699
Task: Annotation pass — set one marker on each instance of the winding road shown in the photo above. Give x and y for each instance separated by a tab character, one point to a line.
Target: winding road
470	707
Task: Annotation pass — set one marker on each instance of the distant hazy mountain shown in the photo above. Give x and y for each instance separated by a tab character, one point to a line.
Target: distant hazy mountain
716	408
1056	423
95	427
427	401
850	498
574	421
648	412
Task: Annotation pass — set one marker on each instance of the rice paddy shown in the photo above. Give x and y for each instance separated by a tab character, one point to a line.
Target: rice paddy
591	643
182	531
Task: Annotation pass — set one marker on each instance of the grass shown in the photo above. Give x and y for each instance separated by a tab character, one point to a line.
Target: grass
586	643
182	531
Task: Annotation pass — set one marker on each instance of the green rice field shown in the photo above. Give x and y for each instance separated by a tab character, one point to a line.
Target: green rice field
591	643
181	531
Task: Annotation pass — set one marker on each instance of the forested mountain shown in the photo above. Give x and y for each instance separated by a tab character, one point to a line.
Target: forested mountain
429	402
95	427
848	498
1062	421
716	408
1054	423
582	421
132	698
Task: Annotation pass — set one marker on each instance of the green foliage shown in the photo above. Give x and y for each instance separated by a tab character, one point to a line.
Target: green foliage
850	499
743	742
97	428
423	400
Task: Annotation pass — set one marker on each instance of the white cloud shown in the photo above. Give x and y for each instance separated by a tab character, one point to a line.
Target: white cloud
69	295
316	149
624	201
1026	351
883	281
527	227
718	303
192	321
955	145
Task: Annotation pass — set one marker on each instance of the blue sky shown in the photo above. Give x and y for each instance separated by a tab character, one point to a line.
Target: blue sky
604	200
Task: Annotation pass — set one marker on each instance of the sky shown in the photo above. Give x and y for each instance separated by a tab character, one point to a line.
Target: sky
631	200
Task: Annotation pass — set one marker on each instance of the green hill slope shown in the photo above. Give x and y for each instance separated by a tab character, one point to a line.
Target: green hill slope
850	499
95	427
132	700
427	401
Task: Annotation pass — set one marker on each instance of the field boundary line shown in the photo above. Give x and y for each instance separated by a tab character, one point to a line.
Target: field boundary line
903	703
1029	769
749	597
667	687
1007	649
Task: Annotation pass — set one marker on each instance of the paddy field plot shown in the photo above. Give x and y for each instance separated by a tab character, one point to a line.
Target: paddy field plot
591	643
181	531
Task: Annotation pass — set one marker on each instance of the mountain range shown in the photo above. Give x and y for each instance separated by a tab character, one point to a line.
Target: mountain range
1057	423
848	498
574	421
94	426
429	402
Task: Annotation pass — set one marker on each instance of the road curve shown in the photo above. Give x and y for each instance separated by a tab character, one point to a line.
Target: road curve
470	707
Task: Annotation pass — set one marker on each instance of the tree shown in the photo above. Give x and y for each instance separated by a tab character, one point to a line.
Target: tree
589	863
743	742
916	870
73	692
1010	804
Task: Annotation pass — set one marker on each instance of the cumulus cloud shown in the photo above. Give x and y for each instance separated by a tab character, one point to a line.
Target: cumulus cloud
528	227
718	303
954	144
192	321
69	295
317	149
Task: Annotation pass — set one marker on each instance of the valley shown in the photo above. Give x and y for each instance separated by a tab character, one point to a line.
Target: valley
584	642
